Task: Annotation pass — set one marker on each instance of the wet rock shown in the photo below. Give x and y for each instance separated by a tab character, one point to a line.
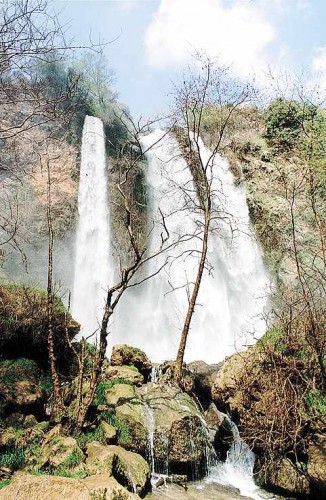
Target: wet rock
220	431
180	436
123	354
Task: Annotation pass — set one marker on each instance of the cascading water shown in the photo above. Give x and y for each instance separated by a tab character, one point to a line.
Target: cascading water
93	237
232	296
238	468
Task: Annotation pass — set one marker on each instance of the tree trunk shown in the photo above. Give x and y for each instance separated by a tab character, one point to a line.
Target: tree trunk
192	302
57	406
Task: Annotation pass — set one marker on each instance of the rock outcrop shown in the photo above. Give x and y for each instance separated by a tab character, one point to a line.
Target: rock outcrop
123	354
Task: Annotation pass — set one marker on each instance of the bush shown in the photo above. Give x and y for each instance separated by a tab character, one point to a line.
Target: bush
285	120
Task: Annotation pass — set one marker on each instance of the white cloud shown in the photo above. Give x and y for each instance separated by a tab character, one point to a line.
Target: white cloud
236	33
318	68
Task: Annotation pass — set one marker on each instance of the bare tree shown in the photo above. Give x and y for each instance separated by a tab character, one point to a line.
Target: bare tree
209	87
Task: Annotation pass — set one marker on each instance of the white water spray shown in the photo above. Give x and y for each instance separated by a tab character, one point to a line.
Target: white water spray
232	297
93	238
238	468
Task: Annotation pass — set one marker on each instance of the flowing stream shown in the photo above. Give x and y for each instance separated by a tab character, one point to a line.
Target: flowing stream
234	291
93	232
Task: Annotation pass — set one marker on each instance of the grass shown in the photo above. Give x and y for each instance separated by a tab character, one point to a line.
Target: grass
13	458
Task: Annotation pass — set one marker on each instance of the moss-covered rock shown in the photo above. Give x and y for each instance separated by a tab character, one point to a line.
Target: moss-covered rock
60	452
127	373
123	354
23	326
20	389
129	468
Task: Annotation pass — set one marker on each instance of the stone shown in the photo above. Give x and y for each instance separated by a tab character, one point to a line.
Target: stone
132	414
317	465
180	435
284	475
56	453
101	483
124	372
20	391
110	432
130	469
45	487
7	438
48	487
204	376
119	394
123	354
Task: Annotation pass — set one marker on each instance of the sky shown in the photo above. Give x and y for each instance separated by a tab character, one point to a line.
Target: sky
150	42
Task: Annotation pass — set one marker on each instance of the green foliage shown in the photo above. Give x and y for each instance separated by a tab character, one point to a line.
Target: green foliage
14	370
315	402
285	121
273	338
4	483
12	458
123	429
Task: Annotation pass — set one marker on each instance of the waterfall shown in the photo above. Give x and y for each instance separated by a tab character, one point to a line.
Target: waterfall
93	238
233	294
238	468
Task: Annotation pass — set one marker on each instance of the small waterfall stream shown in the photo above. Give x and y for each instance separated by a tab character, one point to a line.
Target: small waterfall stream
93	233
238	468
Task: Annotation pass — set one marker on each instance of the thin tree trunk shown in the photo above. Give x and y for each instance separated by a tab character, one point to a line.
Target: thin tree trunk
192	302
57	403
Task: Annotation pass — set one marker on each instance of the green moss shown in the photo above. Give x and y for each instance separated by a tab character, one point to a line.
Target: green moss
102	387
123	429
4	483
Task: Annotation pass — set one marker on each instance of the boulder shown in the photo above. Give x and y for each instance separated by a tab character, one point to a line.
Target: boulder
102	483
109	432
119	394
45	487
128	373
20	391
132	414
130	469
317	465
123	354
220	431
180	436
285	476
61	451
48	487
204	376
23	330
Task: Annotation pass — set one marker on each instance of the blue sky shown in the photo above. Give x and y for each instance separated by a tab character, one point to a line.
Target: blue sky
152	40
